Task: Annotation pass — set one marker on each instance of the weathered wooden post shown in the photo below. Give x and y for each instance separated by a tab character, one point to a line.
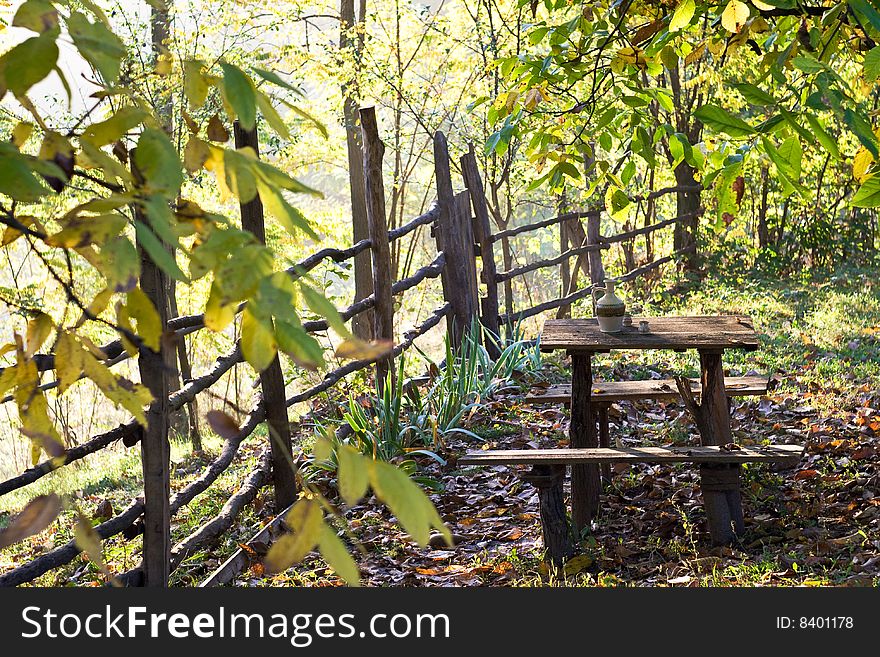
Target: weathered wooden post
483	234
383	311
597	271
454	235
155	369
271	379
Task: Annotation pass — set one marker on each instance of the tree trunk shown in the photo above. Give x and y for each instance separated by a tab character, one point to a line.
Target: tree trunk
272	378
362	324
763	232
687	203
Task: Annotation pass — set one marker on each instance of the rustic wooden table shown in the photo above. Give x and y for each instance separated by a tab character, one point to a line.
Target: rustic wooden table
710	336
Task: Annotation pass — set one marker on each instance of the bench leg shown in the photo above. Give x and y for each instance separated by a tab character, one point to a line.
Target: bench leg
721	497
585	480
604	441
554	523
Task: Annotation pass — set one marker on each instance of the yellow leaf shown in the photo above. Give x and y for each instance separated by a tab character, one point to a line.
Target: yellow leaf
217	314
305	520
216	130
354	474
532	98
357	349
38	330
82	231
681	18
734	16
142	311
763	6
577	564
861	163
11	234
38	514
258	343
68	361
21	133
89	541
337	557
163	64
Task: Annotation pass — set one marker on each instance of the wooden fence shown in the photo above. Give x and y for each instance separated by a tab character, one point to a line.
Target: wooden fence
465	244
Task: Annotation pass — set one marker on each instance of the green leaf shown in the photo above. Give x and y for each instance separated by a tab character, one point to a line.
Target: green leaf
319	304
113	128
868	195
868	11
120	265
292	219
681	18
29	62
17	180
301	347
784	168
272	117
828	142
872	64
36	15
407	501
275	177
238	92
98	45
753	94
337	557
354	474
861	128
156	158
723	121
299	111
157	251
258	343
274	78
790	150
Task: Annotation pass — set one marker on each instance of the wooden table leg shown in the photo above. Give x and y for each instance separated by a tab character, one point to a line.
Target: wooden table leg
604	440
554	524
585	482
720	484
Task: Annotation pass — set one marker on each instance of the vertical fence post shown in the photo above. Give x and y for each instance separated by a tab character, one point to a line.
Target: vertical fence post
155	368
455	238
597	271
272	378
383	317
483	234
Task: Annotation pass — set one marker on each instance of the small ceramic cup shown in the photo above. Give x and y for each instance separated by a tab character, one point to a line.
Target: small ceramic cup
643	326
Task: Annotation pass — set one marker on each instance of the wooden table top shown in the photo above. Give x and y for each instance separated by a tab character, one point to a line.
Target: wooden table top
679	333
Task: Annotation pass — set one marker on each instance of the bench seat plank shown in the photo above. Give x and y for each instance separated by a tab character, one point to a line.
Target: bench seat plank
611	391
567	456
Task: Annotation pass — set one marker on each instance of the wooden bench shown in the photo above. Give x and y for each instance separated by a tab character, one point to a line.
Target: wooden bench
719	472
603	394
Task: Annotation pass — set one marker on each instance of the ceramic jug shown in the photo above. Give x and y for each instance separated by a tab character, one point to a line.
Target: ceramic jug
610	308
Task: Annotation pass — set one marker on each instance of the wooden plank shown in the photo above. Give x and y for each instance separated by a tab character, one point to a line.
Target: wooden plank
483	235
383	322
595	455
459	287
735	386
272	378
704	332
